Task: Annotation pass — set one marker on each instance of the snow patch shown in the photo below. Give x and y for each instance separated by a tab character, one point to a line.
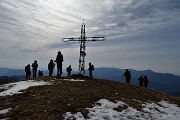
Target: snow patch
4	111
14	88
76	80
163	111
105	110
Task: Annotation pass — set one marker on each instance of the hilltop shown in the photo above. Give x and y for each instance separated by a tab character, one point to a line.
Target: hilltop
164	82
54	100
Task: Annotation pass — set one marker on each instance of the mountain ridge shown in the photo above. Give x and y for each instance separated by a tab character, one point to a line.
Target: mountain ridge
164	82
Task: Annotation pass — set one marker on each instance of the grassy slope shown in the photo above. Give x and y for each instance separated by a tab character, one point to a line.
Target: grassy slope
51	102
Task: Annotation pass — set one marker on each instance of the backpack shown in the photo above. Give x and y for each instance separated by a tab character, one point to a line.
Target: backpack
92	67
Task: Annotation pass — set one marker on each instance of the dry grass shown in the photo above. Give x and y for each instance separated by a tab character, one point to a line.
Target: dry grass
51	102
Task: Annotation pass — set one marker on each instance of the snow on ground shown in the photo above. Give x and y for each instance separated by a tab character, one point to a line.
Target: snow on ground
4	111
75	80
104	110
163	111
15	88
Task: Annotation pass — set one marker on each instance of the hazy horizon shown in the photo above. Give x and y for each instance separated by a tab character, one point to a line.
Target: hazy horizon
86	70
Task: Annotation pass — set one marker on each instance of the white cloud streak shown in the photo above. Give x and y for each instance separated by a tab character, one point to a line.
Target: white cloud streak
31	27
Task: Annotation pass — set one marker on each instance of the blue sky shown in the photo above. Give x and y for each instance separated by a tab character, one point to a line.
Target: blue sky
140	34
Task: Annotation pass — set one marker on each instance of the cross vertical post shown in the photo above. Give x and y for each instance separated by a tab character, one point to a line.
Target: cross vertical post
82	51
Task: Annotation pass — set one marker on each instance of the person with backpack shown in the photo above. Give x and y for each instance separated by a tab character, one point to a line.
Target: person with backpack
59	60
127	74
146	81
69	69
91	68
28	71
141	80
34	68
51	67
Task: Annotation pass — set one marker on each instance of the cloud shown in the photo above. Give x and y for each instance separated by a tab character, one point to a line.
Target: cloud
132	26
136	16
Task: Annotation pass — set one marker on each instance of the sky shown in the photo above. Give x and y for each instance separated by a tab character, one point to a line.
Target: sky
140	34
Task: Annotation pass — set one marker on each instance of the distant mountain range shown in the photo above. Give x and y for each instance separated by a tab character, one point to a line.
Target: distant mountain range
11	72
10	75
163	82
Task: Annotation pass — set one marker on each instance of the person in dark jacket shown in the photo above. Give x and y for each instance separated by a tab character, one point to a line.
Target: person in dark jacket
34	68
59	60
69	69
51	67
141	80
91	68
127	74
28	71
146	81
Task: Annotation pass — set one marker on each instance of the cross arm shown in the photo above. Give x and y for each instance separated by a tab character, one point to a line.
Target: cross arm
95	38
86	39
71	39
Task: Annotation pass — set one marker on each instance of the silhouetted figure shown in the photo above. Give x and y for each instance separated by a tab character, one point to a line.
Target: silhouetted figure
28	71
40	73
59	60
69	69
127	74
91	68
141	80
34	68
146	81
51	67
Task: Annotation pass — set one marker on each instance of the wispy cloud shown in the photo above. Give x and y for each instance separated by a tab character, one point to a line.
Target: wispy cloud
38	25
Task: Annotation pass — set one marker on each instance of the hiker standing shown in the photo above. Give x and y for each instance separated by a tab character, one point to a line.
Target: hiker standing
69	69
141	80
146	81
51	67
34	68
28	71
59	60
127	74
91	68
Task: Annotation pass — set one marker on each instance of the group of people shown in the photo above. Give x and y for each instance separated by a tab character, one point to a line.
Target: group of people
143	81
34	69
51	65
